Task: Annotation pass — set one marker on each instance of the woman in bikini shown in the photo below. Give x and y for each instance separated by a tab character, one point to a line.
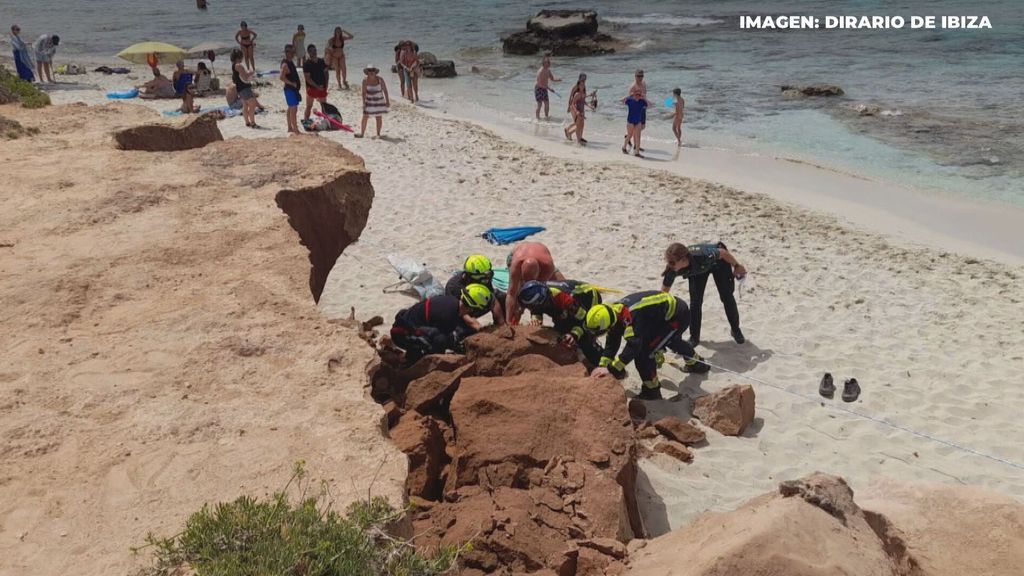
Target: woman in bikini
335	56
246	39
577	107
409	67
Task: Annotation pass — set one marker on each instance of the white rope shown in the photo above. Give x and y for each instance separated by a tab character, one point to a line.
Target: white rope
853	412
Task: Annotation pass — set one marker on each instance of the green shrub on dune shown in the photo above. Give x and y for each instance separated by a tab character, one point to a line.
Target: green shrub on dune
274	536
22	91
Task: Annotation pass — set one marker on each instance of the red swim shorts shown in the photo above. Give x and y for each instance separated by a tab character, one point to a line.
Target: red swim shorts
315	93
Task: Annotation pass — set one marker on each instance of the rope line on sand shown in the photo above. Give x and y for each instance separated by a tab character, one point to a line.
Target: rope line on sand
865	416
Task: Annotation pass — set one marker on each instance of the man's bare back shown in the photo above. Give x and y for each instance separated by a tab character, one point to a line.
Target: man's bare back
528	261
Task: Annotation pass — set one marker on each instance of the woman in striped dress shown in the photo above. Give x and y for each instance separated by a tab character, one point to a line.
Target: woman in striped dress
375	98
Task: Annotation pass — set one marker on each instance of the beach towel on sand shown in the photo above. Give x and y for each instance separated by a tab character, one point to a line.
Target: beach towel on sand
502	236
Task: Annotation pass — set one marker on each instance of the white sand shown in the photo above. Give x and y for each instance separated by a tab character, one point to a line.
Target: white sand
933	336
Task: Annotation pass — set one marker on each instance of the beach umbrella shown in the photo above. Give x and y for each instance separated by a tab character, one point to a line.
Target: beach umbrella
207	49
152	53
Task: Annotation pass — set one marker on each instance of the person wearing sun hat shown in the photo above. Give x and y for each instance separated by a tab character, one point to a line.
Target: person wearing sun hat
375	98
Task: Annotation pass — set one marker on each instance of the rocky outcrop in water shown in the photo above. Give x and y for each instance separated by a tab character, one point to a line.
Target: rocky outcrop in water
793	91
561	33
185	134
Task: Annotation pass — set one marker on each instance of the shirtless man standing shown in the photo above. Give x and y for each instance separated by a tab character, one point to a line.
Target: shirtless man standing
527	261
541	89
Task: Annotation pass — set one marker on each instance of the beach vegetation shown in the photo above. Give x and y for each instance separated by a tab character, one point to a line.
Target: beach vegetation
295	531
24	92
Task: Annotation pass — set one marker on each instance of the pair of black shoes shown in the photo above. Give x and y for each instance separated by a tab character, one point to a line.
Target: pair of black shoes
851	388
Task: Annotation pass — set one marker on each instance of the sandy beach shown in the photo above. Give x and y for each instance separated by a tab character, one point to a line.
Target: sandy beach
847	276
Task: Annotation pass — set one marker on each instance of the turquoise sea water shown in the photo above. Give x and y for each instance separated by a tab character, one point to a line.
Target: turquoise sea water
951	115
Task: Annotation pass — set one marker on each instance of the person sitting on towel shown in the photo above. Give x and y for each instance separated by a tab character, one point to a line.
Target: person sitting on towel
477	270
159	87
440	323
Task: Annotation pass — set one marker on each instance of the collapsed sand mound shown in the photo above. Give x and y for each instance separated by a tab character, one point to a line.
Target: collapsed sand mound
185	134
813	527
949	530
810	528
512	447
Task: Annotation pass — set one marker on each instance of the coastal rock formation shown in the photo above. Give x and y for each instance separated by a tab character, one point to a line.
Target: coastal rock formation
163	349
533	488
727	411
561	33
812	90
813	527
184	134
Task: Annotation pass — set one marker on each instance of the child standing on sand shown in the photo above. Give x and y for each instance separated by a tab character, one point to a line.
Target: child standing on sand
677	120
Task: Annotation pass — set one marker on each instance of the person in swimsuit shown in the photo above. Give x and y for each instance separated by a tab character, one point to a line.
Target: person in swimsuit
640	86
241	77
246	39
45	47
298	41
677	118
409	66
292	88
335	56
540	88
637	106
317	79
375	98
577	107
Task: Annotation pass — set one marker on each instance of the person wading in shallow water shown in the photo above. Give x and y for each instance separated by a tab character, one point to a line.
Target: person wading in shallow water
696	263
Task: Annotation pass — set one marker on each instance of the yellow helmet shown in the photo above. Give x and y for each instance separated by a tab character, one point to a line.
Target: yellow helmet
477	297
478	267
600	318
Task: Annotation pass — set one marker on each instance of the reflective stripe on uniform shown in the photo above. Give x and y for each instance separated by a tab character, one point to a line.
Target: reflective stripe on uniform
628	333
618	364
605	361
650	384
657	300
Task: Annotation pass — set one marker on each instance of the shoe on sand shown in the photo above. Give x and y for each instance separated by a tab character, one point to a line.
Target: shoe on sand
827	388
738	336
650	393
851	390
696	366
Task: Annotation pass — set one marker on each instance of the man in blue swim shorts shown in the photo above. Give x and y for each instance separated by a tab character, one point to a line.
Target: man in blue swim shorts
541	89
292	87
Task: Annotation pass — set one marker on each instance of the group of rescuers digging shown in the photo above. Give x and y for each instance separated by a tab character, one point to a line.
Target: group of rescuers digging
647	322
